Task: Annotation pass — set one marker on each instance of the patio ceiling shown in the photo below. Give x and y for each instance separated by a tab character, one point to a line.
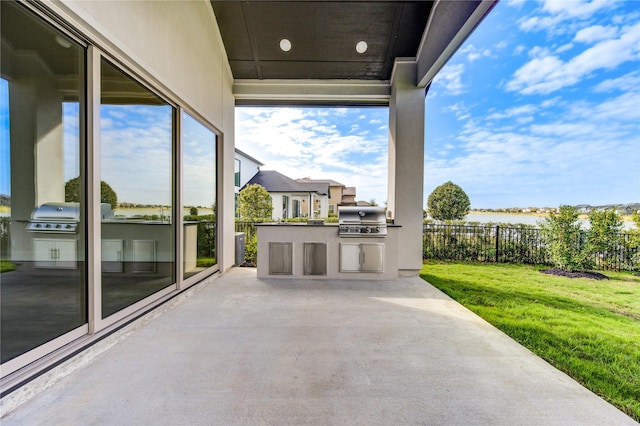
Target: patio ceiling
323	62
323	37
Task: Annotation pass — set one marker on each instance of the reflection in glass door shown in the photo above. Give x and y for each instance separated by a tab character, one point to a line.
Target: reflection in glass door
199	209
42	203
136	190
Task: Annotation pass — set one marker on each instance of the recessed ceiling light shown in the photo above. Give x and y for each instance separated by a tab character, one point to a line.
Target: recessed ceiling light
285	45
361	46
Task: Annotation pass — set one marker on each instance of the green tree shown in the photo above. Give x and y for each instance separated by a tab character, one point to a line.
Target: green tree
448	202
603	238
72	192
255	202
632	245
635	217
562	235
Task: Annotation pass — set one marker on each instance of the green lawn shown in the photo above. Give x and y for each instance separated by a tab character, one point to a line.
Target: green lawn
590	329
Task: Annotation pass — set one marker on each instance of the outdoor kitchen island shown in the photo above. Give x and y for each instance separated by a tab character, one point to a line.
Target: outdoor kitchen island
328	251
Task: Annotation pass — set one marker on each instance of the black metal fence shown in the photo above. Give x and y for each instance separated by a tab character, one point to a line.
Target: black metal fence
249	229
513	244
500	244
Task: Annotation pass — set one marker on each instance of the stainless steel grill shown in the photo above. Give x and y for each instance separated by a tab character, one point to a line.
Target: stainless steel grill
365	221
55	218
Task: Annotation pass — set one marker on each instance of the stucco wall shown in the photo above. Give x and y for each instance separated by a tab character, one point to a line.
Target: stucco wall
176	47
248	169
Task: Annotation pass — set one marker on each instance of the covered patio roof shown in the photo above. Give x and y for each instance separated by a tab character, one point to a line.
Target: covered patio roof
323	61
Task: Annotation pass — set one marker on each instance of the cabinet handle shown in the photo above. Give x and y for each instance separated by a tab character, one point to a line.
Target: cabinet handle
52	253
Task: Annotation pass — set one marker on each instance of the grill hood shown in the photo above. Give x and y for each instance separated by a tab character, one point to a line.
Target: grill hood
55	218
362	221
361	215
57	212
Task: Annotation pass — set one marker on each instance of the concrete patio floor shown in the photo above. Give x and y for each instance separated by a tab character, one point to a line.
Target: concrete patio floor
244	351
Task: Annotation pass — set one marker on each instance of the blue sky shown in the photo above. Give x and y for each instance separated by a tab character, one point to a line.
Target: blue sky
539	107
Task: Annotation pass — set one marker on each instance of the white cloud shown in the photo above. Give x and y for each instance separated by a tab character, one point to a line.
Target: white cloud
459	109
628	81
557	12
450	78
551	164
550	102
473	53
501	44
513	112
546	74
575	8
596	33
319	143
564	48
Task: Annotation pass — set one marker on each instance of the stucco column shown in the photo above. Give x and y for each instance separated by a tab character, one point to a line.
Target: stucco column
406	164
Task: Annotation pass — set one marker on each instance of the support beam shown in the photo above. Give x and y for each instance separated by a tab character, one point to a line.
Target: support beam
406	163
449	25
312	92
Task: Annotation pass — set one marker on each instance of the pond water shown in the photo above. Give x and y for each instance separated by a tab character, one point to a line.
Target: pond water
522	218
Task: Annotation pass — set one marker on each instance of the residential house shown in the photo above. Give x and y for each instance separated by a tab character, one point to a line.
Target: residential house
245	168
339	194
628	208
290	197
349	196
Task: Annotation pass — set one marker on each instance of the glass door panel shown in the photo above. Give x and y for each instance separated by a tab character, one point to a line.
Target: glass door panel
136	189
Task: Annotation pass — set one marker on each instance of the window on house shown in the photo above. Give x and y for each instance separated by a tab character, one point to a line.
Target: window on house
285	206
237	172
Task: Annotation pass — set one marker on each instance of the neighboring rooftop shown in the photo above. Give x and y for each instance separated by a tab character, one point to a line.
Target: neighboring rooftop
330	182
244	154
274	181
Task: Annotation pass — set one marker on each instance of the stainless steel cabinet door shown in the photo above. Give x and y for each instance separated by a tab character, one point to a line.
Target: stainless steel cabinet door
315	259
280	258
349	257
372	257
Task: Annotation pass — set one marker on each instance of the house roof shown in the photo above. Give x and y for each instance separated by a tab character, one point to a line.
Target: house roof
329	182
274	181
349	190
244	154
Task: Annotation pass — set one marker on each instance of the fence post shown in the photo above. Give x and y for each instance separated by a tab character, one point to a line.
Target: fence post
497	241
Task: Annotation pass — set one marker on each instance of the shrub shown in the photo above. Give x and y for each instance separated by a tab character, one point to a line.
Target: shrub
251	250
563	238
603	238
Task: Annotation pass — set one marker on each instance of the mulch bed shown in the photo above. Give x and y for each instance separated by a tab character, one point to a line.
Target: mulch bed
575	274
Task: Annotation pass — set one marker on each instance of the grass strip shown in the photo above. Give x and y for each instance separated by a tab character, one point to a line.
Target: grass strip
589	329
